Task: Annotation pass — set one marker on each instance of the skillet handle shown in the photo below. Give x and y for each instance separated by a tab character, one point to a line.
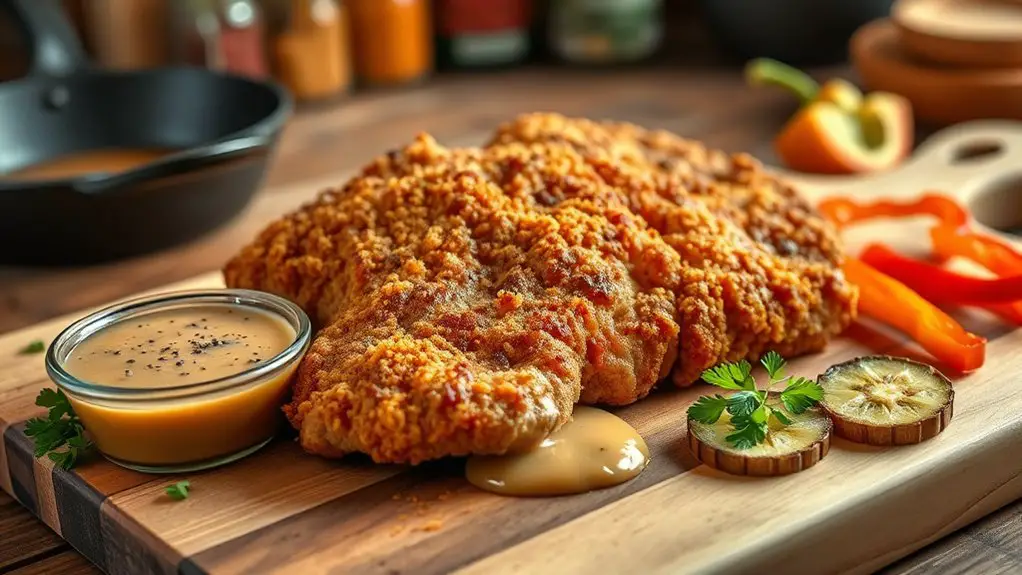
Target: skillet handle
56	50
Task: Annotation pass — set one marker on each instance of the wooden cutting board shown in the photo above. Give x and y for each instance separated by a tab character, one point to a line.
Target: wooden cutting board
861	508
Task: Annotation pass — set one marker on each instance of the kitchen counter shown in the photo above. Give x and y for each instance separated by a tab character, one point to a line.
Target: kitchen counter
324	144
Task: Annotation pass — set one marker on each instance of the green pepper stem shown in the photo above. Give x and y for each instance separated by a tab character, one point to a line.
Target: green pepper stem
765	71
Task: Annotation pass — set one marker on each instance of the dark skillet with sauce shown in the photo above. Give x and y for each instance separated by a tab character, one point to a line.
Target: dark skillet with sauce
162	156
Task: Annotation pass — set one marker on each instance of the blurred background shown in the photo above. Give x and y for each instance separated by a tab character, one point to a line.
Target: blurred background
324	48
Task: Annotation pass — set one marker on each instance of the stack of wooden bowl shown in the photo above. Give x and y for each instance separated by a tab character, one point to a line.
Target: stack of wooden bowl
955	60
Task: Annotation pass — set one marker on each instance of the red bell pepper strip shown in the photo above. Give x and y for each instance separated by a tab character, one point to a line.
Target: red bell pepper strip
1009	312
891	302
941	285
991	253
951	236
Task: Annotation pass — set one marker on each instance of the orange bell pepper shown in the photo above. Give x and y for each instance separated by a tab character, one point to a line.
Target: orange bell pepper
837	129
844	211
890	301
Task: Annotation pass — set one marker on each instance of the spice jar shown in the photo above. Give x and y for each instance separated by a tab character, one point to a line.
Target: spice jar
222	35
242	36
392	40
128	34
605	31
482	33
309	46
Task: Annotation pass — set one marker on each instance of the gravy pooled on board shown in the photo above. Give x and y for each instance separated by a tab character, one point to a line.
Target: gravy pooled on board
596	449
175	347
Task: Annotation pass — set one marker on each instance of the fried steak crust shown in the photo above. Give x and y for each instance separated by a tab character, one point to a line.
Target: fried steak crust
470	297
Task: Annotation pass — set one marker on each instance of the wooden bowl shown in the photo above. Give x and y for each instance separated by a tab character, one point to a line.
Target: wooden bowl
939	95
966	33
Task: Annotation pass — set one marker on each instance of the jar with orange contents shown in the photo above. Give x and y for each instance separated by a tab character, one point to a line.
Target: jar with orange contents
310	47
392	40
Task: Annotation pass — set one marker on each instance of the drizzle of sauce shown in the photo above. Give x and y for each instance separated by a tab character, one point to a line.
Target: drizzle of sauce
594	450
179	347
109	161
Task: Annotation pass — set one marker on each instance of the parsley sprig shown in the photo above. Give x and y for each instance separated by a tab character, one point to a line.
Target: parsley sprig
60	435
179	490
750	413
35	346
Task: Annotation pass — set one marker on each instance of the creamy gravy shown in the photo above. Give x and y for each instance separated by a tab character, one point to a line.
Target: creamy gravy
179	346
594	450
109	161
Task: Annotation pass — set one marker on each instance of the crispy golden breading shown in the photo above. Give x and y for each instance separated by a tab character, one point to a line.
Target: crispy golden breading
761	267
470	297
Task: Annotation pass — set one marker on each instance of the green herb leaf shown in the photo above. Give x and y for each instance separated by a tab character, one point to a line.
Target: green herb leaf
748	433
78	442
760	415
179	491
742	403
735	376
36	426
774	364
801	394
50	438
50	397
36	346
59	429
780	417
748	409
64	459
707	409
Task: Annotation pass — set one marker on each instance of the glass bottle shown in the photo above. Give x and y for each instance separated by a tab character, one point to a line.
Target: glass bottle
482	33
222	35
392	40
605	31
309	47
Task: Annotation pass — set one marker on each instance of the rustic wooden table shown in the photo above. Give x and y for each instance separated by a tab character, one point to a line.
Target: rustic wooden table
326	143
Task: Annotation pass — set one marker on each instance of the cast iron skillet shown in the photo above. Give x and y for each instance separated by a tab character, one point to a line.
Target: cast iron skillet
223	127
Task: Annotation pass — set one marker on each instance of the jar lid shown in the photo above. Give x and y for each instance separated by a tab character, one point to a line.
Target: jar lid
239	13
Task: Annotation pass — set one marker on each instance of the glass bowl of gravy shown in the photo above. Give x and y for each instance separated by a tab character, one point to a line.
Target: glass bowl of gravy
183	381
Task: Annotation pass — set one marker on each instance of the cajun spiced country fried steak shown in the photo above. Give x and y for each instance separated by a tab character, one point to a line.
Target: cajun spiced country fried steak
471	297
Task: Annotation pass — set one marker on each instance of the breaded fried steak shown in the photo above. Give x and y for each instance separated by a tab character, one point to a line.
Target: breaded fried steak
470	297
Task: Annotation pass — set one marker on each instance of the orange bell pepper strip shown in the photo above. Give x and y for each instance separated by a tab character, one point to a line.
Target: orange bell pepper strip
843	211
891	302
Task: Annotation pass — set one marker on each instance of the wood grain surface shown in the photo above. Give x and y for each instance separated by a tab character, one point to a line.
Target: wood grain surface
271	510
